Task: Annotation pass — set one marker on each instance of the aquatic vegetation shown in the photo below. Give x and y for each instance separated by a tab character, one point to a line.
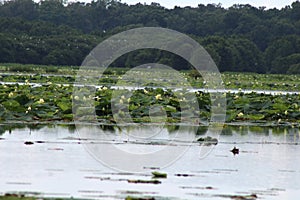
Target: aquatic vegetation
48	97
54	103
159	174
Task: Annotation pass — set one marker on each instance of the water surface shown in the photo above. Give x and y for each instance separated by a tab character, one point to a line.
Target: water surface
58	164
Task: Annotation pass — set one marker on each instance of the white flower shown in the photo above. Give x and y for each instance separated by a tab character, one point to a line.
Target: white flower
104	88
97	98
286	112
183	99
41	101
158	97
240	114
76	98
29	108
121	101
128	100
10	94
145	91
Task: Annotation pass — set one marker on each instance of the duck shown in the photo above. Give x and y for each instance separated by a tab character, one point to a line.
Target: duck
235	151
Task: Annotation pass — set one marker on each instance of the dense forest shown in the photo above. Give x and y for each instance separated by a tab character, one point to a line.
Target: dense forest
239	38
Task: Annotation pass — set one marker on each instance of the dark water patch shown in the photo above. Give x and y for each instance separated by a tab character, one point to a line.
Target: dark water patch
187	175
74	138
139	198
131	192
215	171
22	194
222	156
126	174
105	178
18	183
287	171
200	195
198	187
238	197
55	149
226	170
249	151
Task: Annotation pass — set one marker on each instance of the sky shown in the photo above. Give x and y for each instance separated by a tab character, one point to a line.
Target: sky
225	3
194	3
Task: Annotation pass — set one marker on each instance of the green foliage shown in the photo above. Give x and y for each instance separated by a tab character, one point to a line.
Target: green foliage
159	174
241	38
54	102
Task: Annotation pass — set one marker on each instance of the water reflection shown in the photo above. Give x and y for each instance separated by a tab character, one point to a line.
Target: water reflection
290	132
267	165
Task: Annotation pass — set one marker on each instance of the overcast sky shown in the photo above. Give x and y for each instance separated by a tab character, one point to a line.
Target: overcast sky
225	3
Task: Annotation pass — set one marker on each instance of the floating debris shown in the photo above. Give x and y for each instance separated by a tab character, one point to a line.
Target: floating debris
28	143
184	175
145	181
139	198
208	141
40	142
240	197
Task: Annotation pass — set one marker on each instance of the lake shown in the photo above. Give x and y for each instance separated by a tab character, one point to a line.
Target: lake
66	161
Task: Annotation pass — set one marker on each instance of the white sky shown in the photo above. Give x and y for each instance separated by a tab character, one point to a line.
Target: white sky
194	3
225	3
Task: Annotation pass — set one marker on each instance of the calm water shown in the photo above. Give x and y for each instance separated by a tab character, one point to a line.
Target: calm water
62	162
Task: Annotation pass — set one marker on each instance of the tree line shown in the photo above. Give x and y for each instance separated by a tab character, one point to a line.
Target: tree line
239	38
